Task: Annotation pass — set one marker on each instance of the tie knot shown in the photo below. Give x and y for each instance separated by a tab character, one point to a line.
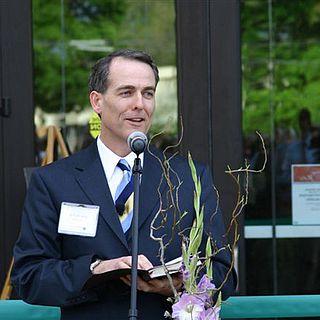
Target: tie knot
124	165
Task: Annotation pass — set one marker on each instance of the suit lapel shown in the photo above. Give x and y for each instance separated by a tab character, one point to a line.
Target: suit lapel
92	180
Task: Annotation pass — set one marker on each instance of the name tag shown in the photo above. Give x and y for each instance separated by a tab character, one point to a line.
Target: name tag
78	219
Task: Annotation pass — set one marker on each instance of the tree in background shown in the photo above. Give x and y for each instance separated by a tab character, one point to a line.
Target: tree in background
92	29
295	62
83	20
150	26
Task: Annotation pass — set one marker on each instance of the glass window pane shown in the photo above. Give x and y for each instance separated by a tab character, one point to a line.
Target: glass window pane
69	36
281	81
256	106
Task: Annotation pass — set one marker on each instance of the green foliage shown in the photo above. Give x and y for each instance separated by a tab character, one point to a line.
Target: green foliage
191	245
95	19
295	68
208	262
149	26
91	30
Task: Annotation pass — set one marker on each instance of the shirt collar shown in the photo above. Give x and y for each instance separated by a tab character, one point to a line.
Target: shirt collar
110	160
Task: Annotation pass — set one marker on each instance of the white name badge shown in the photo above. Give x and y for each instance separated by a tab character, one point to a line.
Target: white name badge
78	219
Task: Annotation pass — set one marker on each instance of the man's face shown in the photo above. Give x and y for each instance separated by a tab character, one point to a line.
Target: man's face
129	101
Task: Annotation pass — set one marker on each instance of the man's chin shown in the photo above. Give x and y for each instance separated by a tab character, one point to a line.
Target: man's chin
141	129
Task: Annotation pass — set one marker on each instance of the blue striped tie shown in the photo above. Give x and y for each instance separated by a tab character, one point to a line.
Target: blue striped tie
124	196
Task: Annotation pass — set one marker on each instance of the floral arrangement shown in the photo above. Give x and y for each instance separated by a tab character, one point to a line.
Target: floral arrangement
199	300
196	301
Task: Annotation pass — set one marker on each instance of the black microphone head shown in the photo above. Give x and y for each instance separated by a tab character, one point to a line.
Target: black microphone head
137	142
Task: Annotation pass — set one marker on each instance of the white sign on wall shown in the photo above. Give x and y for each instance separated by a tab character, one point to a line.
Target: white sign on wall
305	182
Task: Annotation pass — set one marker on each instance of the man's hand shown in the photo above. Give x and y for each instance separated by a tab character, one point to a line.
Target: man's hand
122	263
160	286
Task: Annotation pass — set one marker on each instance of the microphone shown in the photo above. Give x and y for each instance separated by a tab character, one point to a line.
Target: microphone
137	142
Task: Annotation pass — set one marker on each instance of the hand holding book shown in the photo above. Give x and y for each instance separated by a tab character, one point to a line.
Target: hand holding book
160	285
121	267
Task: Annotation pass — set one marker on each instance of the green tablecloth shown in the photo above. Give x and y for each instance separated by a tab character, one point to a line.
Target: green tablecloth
234	307
19	310
271	306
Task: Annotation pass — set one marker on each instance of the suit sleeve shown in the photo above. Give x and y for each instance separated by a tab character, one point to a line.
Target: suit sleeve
214	226
40	275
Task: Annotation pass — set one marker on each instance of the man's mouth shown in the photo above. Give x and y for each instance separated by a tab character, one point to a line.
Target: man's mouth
135	120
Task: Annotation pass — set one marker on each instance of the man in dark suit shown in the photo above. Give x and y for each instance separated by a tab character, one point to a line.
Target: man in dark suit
70	226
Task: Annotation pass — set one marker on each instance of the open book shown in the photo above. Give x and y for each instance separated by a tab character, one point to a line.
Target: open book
172	266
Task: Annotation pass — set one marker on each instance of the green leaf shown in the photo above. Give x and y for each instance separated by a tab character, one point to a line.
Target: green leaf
209	259
219	300
192	168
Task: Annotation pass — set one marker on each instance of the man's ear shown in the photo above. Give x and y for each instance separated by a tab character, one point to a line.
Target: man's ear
96	101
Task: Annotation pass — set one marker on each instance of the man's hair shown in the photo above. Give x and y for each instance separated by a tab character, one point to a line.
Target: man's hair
98	80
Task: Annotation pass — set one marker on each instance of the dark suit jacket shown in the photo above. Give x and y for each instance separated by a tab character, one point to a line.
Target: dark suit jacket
51	268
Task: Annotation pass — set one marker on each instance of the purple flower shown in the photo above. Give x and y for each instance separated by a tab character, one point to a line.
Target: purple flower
204	288
185	273
205	284
212	313
189	307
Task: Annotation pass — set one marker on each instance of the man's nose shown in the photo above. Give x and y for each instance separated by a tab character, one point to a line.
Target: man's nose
139	102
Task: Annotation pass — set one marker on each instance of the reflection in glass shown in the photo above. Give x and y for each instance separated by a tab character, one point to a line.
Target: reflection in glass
69	36
280	86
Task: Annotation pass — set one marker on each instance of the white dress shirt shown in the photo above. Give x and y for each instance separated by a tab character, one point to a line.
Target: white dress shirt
109	161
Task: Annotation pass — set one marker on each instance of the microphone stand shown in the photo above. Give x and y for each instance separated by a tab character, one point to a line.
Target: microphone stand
136	171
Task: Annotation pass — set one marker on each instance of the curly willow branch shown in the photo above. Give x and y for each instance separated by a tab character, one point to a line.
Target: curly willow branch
242	200
172	197
172	204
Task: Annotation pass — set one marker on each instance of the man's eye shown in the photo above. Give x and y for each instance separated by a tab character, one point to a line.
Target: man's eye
125	93
148	94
